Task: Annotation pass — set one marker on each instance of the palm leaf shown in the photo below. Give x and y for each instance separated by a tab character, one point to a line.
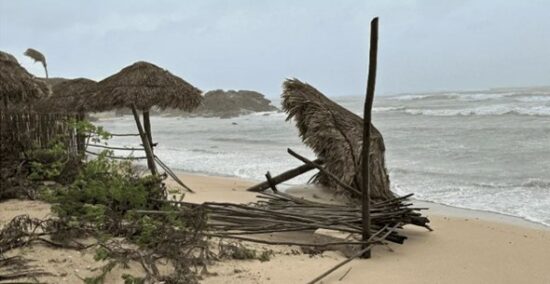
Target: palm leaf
37	56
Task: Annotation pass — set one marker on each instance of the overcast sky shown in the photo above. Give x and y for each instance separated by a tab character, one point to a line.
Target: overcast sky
424	45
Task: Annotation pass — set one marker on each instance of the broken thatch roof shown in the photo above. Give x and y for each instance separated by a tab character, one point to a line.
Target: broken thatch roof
336	136
145	85
69	95
17	86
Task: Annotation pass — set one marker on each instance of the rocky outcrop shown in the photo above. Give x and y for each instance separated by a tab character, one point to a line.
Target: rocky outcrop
224	104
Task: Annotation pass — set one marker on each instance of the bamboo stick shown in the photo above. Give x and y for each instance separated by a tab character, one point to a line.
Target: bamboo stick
356	255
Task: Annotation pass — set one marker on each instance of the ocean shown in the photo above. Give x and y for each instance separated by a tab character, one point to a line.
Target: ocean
479	150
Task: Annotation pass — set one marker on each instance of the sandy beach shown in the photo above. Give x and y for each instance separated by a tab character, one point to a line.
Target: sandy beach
465	247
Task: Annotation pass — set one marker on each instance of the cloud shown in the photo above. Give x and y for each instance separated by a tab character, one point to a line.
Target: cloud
245	44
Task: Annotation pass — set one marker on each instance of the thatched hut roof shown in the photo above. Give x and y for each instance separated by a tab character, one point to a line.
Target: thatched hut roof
145	85
69	95
17	86
336	135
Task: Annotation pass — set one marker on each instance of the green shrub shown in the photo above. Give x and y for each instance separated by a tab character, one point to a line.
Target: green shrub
47	163
104	191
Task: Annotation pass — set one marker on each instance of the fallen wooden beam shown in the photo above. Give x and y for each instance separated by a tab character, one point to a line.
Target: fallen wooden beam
284	176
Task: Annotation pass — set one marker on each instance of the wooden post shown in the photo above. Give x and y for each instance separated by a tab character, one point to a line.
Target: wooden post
366	171
145	141
147	127
270	181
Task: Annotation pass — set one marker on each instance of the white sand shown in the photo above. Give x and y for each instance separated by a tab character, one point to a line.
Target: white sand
466	247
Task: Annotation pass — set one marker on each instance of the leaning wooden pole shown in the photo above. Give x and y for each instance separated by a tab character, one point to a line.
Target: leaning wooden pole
366	134
147	127
148	151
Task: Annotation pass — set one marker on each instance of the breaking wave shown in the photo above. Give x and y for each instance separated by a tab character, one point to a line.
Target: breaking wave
520	97
484	111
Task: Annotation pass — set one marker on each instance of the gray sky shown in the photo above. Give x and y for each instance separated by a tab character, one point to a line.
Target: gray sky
424	45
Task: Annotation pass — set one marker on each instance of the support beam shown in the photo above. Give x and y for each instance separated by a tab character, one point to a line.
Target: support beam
148	151
366	171
147	128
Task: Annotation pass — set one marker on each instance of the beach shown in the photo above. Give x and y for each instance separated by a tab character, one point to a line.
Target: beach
466	246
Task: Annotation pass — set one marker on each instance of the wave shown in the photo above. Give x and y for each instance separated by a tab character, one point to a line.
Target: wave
385	109
537	183
532	99
242	140
484	111
409	97
458	96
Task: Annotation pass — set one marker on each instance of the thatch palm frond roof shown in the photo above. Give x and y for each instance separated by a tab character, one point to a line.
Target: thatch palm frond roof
69	95
145	85
17	86
336	135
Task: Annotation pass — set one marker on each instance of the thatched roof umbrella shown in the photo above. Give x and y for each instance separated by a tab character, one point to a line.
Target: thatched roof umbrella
141	86
17	86
335	134
69	96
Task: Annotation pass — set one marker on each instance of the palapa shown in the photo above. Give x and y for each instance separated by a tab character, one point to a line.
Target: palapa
69	96
17	86
145	85
141	86
335	135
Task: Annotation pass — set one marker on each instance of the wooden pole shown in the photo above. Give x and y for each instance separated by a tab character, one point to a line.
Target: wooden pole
270	181
366	135
147	127
145	141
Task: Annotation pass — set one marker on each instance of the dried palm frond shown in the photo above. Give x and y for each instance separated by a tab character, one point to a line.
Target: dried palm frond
145	85
17	86
335	135
37	56
68	96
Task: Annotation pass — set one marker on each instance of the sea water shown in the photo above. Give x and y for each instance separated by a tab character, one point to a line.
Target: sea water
485	151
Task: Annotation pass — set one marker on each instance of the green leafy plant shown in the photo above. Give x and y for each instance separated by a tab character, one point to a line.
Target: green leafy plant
96	134
47	163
